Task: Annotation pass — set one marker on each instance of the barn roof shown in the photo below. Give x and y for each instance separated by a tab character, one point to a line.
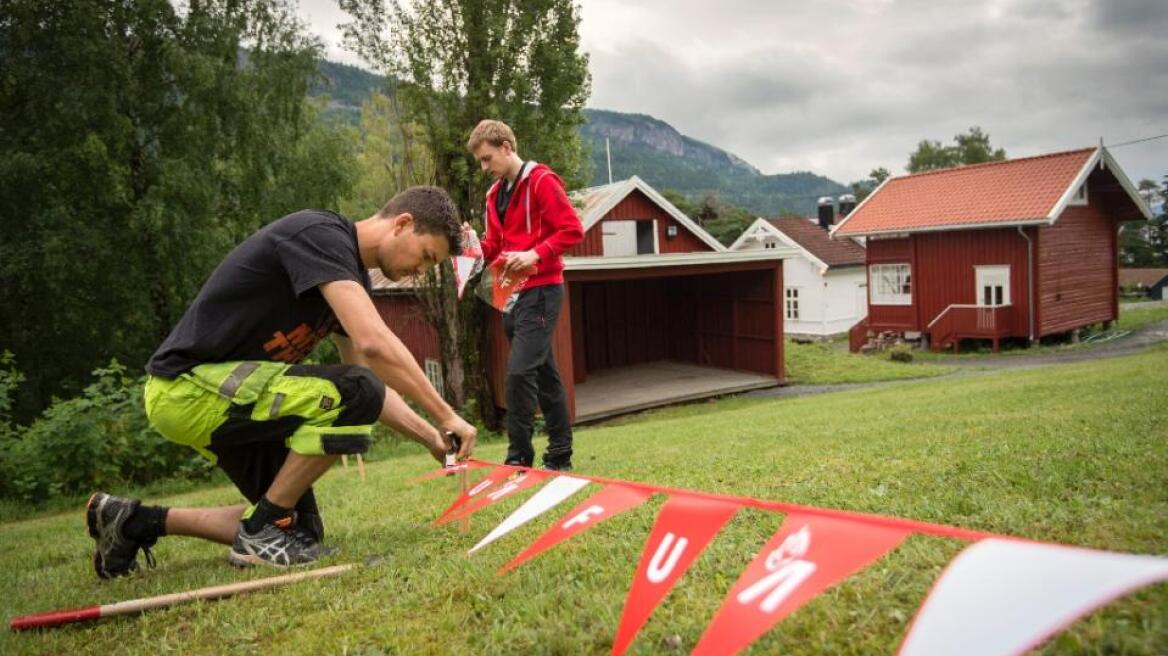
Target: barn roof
1142	277
807	236
594	202
1016	192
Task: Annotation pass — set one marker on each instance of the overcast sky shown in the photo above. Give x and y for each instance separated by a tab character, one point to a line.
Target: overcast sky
839	87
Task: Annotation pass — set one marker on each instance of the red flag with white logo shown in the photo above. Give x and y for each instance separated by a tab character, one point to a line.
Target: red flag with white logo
488	482
684	527
504	490
808	555
612	500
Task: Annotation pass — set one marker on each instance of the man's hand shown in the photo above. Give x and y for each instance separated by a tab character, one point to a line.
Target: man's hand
464	431
520	262
436	444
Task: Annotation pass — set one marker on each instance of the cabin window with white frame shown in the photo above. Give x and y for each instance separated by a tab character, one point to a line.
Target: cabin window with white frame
434	374
891	284
792	294
1080	195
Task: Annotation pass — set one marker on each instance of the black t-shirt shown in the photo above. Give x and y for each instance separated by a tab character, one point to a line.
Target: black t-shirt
503	198
263	302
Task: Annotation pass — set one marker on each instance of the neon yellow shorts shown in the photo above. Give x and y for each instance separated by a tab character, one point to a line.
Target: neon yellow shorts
310	409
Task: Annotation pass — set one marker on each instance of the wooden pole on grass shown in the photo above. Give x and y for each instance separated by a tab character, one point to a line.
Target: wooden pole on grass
60	617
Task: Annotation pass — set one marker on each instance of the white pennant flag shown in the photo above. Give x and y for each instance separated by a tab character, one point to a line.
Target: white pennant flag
1006	596
560	488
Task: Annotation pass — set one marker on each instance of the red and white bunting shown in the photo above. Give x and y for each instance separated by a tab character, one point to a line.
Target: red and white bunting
1005	596
493	477
507	488
449	471
611	501
560	488
685	526
808	555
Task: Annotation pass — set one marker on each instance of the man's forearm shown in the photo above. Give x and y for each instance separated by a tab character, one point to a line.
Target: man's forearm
396	366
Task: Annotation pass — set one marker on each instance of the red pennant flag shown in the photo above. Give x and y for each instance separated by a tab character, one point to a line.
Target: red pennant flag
808	555
492	477
449	471
684	527
612	500
528	478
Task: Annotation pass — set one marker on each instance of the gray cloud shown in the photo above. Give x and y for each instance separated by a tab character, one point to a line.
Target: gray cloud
840	87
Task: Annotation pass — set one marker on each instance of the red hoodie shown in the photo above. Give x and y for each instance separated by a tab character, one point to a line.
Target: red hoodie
539	216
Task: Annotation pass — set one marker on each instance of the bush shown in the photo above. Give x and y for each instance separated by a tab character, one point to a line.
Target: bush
97	440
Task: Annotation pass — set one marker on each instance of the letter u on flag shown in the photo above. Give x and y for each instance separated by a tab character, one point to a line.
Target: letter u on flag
684	527
612	500
808	555
503	490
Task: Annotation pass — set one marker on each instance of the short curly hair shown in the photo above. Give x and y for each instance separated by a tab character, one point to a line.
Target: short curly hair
433	211
492	132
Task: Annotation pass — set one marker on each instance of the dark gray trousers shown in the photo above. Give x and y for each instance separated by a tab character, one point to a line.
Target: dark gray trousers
532	377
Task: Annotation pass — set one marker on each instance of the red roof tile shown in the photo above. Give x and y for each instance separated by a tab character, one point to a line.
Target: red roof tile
808	234
980	195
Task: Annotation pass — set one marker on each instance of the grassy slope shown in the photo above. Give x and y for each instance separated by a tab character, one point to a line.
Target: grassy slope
1079	458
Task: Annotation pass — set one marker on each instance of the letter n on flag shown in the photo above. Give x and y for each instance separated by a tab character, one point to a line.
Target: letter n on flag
485	496
808	555
684	527
612	500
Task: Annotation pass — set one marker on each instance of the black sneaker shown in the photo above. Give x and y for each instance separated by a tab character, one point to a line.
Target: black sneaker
116	554
557	466
311	526
280	545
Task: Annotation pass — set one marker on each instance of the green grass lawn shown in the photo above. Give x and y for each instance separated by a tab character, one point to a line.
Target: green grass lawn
1076	455
830	363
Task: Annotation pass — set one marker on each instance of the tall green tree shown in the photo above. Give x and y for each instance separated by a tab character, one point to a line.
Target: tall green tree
972	147
458	62
138	143
1146	244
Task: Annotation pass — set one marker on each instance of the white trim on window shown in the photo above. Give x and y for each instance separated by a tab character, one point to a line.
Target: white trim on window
891	284
434	374
791	303
1080	196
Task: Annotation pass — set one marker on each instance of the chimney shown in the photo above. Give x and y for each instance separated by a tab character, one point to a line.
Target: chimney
826	212
847	203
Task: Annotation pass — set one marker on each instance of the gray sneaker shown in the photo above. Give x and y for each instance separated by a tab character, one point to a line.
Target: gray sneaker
115	554
280	545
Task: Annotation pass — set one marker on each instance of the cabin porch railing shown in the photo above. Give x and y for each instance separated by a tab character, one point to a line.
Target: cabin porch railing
960	321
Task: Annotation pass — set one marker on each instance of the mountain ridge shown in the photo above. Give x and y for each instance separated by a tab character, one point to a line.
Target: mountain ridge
641	145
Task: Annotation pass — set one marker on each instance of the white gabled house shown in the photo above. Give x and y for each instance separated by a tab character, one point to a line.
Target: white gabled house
825	286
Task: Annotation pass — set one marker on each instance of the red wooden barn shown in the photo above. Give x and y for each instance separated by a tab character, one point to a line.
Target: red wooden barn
1021	248
655	311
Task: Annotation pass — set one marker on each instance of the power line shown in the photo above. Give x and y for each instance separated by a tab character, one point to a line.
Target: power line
1136	141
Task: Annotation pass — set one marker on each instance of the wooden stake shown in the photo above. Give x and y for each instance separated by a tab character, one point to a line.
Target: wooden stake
60	617
361	467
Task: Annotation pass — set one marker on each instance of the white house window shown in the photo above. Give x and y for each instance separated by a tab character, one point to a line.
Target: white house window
434	374
792	303
1080	197
891	284
769	244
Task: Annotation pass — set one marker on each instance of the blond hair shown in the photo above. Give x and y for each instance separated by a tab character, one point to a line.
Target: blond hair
492	132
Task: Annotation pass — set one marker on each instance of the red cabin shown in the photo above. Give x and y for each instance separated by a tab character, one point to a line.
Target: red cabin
1020	248
656	311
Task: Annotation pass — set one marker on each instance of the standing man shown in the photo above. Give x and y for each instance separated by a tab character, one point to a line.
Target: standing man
531	223
226	381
